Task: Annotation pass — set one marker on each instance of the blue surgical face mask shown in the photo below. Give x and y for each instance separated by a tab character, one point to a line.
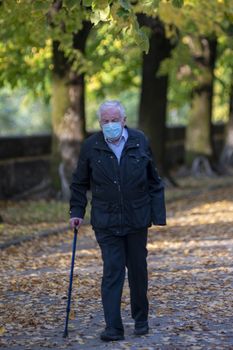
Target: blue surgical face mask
112	131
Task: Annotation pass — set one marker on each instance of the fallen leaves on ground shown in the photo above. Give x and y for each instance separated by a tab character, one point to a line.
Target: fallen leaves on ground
190	285
30	217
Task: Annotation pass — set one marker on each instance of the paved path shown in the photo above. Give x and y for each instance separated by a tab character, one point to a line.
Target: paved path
190	289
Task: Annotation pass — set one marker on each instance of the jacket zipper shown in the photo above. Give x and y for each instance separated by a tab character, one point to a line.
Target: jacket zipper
119	189
121	198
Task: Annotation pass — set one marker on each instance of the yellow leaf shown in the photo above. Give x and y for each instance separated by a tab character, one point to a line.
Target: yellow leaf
72	315
2	330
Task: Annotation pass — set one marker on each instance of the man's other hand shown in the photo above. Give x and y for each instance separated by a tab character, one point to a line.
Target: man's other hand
75	222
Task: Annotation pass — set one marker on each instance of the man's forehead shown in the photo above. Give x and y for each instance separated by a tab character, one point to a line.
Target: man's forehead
110	112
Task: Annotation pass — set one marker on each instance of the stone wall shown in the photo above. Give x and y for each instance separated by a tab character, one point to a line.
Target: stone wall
24	160
175	143
24	164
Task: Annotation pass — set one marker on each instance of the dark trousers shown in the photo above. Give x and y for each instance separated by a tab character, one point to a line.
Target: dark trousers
119	252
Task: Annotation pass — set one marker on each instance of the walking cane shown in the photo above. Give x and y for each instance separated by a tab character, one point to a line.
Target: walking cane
71	281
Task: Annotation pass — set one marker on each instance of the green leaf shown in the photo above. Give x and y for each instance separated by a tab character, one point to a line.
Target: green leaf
122	13
142	40
87	2
100	15
178	3
100	4
125	4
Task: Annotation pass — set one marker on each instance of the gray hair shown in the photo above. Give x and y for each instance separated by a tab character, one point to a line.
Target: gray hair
111	103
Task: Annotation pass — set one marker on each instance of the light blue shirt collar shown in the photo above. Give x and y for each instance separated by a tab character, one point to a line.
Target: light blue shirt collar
117	148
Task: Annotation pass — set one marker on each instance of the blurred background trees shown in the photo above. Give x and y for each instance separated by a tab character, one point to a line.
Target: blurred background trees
169	62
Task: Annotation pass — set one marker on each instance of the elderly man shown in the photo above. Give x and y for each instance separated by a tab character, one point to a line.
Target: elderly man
127	197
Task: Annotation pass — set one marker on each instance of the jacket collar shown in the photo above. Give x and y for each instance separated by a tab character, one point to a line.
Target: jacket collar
132	141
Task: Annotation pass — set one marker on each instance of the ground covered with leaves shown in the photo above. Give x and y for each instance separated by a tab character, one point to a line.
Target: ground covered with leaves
190	283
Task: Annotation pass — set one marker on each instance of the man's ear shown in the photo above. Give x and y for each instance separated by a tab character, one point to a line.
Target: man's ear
124	121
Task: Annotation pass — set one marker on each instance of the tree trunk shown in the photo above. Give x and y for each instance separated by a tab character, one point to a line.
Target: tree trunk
198	140
68	113
153	99
226	158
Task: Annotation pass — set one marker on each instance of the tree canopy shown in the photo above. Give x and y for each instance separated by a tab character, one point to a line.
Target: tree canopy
29	27
113	55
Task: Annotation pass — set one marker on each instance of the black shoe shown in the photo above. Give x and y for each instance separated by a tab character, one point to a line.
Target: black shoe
141	330
107	335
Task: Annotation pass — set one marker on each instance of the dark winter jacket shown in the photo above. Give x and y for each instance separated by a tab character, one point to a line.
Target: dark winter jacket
126	197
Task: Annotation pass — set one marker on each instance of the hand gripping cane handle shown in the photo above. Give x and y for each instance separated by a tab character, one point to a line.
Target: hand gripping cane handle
71	279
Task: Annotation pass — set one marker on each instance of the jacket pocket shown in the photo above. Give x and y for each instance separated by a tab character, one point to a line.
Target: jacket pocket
138	160
139	212
140	202
99	214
